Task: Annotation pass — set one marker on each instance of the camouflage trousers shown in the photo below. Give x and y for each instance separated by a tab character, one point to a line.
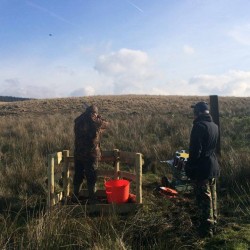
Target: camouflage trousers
206	197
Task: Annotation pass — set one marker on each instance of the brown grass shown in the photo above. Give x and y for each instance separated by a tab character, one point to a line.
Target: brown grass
124	104
156	126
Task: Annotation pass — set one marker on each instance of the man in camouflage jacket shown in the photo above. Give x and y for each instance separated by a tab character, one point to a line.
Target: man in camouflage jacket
88	129
202	166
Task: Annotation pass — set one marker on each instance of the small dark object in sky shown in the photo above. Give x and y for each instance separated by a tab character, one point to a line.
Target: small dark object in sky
50	34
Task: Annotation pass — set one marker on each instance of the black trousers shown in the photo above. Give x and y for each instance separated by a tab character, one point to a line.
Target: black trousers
84	168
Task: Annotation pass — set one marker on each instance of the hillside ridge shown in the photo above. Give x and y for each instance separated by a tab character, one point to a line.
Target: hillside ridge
122	104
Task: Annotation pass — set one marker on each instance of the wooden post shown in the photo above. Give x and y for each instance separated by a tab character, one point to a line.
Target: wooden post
51	181
66	186
138	164
214	110
58	158
116	164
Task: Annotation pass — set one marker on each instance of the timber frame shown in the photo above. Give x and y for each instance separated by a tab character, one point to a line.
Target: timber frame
61	167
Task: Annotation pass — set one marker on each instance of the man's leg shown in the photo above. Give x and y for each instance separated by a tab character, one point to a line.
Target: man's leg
214	201
78	177
90	172
205	203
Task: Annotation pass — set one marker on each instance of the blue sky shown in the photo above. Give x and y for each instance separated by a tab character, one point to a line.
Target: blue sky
62	48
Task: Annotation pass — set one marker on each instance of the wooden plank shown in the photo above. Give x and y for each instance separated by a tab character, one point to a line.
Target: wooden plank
107	159
66	184
127	157
58	158
127	175
107	156
105	173
58	197
138	167
108	153
51	181
116	163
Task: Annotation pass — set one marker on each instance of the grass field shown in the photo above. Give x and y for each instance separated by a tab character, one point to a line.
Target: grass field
156	126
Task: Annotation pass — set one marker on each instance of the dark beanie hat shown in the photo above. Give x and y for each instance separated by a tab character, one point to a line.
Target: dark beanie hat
200	107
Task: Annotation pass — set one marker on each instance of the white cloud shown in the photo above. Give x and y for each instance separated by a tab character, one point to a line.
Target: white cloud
233	83
125	60
241	34
13	87
131	71
188	50
86	91
27	78
122	72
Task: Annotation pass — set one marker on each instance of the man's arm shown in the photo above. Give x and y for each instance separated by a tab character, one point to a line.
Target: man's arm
100	122
195	146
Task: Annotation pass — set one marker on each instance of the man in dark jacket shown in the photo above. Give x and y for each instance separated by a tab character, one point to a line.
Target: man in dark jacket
88	129
202	166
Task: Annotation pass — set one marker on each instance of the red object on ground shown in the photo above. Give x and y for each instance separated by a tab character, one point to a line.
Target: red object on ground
132	198
169	191
117	191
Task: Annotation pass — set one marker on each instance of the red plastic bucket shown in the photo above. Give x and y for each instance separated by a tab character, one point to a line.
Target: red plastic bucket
117	191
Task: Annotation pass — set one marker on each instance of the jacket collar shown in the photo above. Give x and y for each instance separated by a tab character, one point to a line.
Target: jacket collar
203	117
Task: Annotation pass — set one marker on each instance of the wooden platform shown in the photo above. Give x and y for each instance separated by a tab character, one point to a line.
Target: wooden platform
61	169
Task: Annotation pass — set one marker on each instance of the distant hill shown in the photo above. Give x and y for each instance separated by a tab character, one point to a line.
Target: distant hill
123	105
12	99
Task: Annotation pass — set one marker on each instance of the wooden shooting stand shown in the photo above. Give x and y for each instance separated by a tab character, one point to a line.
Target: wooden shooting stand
61	170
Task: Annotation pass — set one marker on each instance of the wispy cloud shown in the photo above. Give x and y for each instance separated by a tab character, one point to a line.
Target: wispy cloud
241	34
188	50
135	6
51	13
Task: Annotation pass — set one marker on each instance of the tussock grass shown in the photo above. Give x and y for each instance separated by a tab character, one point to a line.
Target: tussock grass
156	126
152	227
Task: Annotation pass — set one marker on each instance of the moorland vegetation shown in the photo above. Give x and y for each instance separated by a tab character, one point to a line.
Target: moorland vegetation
156	126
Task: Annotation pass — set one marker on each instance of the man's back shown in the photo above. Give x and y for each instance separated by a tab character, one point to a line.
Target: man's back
203	142
88	129
85	133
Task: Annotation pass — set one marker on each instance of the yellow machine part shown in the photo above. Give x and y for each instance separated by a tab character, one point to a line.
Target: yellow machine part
184	155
